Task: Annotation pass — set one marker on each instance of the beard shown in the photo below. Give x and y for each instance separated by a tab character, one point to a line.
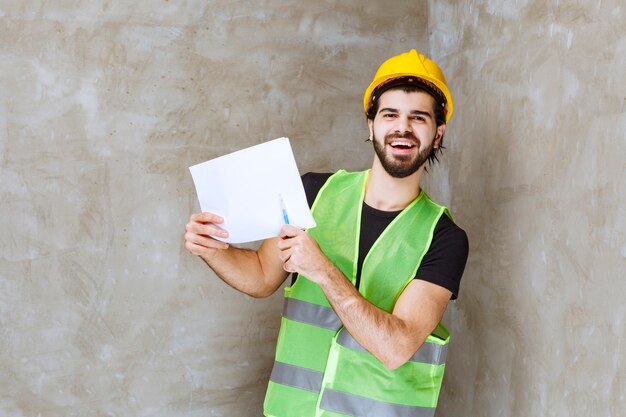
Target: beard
401	166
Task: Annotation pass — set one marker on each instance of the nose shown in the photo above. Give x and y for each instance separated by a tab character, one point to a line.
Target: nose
403	124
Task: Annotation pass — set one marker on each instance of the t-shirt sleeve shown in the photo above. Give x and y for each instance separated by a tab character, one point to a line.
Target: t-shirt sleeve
445	260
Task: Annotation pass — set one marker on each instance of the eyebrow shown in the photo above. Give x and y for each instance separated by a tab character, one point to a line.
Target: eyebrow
413	112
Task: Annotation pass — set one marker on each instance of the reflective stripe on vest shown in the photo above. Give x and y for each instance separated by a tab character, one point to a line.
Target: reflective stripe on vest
355	405
297	377
431	353
313	314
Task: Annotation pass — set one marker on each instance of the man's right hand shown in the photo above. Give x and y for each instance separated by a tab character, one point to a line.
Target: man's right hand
257	273
200	235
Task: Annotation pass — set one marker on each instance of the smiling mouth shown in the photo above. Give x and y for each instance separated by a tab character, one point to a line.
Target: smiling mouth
401	144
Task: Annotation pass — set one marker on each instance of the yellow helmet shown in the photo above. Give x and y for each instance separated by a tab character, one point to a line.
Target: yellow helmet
411	64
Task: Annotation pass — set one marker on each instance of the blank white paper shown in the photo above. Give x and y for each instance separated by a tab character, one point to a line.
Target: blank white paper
245	188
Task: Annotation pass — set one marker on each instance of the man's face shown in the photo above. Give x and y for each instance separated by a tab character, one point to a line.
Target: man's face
404	131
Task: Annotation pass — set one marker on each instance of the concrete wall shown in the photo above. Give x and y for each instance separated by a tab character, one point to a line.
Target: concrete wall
535	172
103	106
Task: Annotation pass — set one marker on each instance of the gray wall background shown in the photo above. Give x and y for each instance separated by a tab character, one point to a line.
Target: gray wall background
104	105
536	174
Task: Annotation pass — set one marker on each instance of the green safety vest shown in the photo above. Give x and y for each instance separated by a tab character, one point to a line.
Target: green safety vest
320	370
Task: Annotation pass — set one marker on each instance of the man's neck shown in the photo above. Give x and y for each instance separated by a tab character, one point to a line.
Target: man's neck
386	193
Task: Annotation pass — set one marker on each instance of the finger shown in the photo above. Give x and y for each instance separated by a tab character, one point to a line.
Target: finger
206	229
193	248
288	268
285	256
206	217
289	231
283	244
204	241
199	250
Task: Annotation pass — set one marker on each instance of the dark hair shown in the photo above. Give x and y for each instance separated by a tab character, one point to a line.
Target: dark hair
410	86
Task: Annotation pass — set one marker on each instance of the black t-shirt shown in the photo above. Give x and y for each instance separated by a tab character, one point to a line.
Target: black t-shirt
443	263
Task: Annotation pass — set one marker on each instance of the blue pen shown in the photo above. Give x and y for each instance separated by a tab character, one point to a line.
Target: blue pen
283	208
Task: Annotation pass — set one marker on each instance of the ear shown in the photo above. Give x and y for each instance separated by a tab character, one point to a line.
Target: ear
370	125
441	129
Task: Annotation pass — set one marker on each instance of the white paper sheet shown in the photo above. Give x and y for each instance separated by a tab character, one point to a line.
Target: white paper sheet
245	188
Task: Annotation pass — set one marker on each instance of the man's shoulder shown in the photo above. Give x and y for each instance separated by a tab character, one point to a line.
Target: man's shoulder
313	183
446	228
445	260
311	178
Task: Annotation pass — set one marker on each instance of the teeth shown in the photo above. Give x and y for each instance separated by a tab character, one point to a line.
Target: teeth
401	143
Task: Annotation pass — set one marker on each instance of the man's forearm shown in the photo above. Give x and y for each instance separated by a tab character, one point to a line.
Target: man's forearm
242	269
384	335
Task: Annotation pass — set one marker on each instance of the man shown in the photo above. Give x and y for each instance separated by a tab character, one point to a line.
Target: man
360	333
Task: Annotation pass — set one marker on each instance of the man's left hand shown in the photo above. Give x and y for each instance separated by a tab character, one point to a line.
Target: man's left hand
300	253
